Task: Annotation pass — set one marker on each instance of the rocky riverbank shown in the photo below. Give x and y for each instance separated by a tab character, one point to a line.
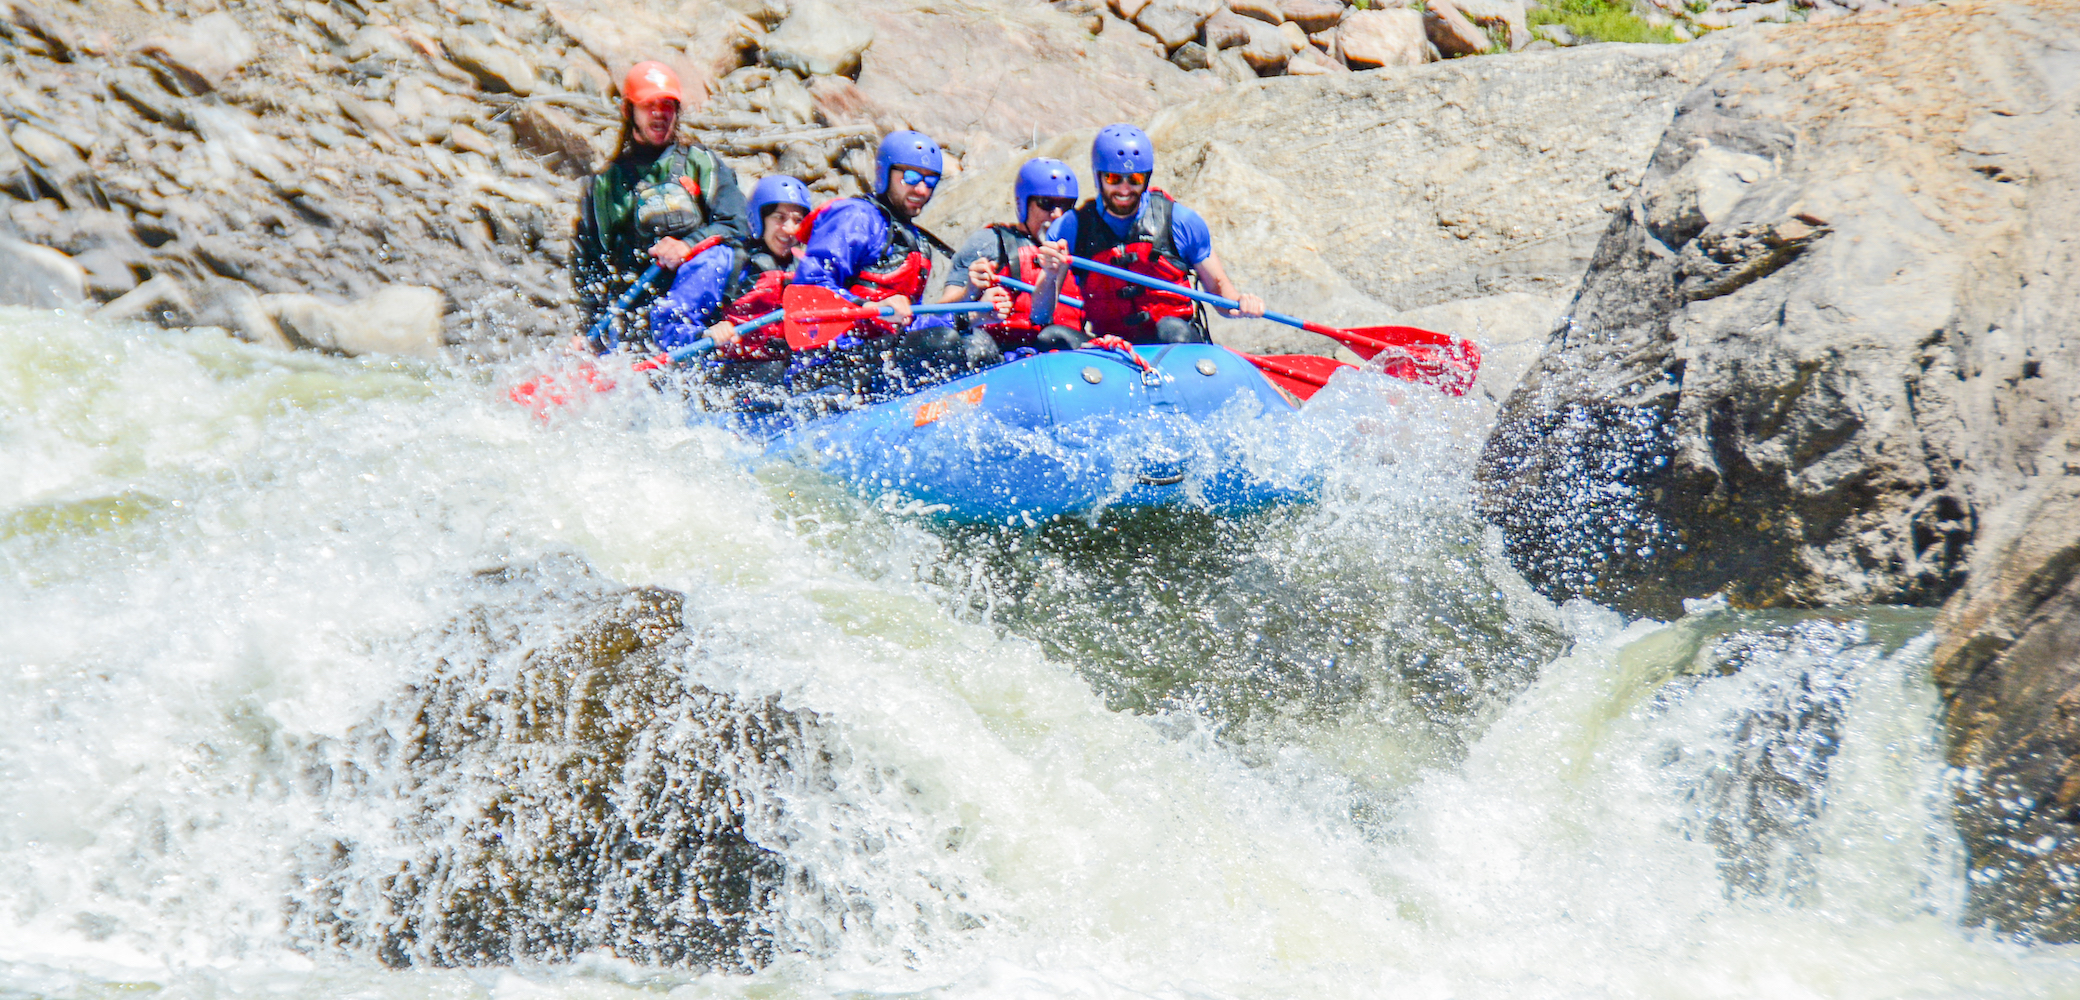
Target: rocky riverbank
396	177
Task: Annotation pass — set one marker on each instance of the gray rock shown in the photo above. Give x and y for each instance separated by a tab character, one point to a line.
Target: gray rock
161	301
819	39
1224	30
1452	32
400	319
108	272
236	307
2007	669
379	43
1797	380
1266	11
138	89
37	31
1506	14
495	67
39	277
1313	15
1268	48
789	102
14	172
584	75
200	55
1369	39
1175	22
1190	56
546	132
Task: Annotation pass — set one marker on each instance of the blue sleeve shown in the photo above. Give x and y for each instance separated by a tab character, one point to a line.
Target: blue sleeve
1188	231
847	237
1064	228
681	315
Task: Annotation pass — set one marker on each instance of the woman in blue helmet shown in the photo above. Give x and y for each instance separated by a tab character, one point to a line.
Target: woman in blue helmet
735	282
873	250
1046	190
1141	229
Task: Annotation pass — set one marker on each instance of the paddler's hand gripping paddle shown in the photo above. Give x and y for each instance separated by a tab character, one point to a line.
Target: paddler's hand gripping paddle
1415	354
1300	374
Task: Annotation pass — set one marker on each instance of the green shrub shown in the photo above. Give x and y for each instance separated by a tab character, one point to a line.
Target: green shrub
1601	20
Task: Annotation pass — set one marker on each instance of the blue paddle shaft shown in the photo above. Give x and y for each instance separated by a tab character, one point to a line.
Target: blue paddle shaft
628	298
1191	293
1019	286
691	351
947	307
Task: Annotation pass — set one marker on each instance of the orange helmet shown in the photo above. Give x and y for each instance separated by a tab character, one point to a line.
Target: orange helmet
648	82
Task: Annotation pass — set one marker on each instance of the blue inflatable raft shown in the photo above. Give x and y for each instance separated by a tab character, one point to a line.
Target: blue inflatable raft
1071	432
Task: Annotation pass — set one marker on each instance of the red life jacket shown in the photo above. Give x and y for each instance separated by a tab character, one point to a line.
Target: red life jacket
904	266
755	284
1121	308
1017	329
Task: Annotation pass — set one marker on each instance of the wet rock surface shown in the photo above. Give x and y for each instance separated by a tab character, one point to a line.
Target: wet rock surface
1823	358
567	788
1823	337
2009	669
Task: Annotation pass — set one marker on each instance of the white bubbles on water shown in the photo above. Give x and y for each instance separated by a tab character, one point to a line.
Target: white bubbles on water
1334	751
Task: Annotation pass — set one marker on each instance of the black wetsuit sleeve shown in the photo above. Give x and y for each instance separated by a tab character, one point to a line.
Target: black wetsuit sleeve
727	215
589	264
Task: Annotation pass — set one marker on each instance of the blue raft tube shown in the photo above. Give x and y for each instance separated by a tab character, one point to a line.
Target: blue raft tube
1068	433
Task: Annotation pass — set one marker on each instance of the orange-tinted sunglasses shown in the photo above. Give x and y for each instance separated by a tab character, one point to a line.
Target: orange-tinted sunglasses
1111	178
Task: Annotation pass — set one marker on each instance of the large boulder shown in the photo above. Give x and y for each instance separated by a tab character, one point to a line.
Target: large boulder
1828	333
1358	197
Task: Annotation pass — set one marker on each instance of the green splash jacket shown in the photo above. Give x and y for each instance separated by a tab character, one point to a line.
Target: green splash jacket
685	192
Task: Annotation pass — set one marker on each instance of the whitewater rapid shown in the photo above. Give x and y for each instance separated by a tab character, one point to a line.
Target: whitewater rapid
1337	751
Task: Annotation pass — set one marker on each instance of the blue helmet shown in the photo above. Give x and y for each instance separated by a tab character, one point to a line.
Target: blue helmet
905	149
1123	149
778	189
1043	177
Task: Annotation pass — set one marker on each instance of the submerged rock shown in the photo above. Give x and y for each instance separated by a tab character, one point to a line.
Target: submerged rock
562	788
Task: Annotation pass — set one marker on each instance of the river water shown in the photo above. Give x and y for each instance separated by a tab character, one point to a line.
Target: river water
1334	751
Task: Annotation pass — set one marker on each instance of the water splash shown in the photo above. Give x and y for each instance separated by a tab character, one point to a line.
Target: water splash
1338	750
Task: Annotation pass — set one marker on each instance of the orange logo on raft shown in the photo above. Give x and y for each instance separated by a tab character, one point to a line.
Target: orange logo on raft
965	399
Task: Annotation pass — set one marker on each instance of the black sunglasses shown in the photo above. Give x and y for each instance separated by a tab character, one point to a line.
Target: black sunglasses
1054	204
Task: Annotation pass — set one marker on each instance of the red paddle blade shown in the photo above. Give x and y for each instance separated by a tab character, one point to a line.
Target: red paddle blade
553	390
816	316
1415	354
1300	374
